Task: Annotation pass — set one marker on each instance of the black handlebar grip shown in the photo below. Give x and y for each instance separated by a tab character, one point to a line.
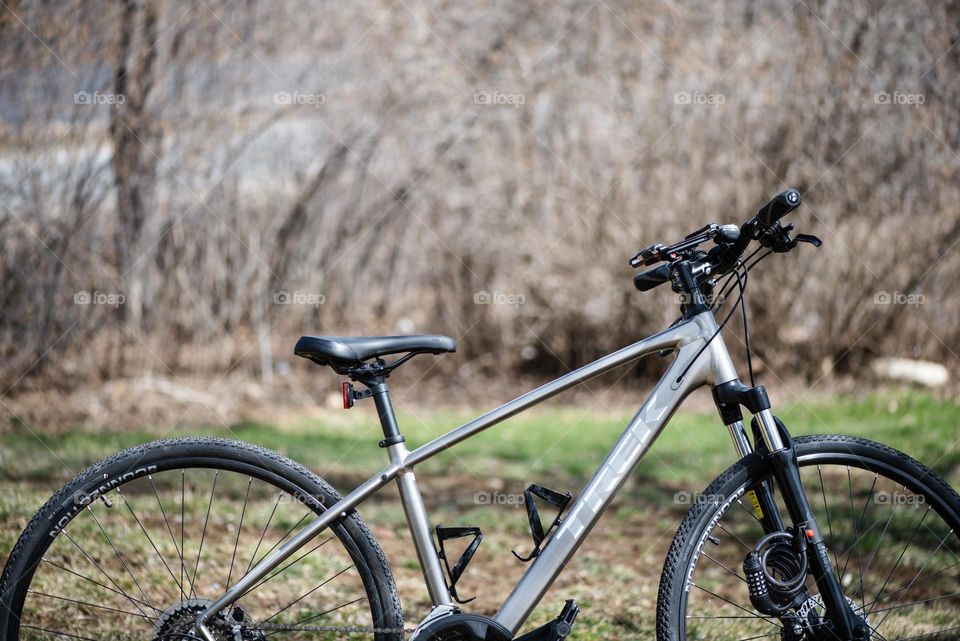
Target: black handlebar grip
650	278
780	206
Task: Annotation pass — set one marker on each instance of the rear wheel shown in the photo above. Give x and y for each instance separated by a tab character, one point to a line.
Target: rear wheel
891	527
137	545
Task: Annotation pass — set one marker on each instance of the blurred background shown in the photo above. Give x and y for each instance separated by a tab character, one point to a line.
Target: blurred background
187	187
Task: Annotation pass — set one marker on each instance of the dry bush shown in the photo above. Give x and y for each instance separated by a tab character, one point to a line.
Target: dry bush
396	161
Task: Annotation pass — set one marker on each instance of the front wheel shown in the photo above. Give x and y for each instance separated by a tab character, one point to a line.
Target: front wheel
889	523
137	545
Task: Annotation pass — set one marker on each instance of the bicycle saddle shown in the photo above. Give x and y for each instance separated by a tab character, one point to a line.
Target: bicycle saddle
346	352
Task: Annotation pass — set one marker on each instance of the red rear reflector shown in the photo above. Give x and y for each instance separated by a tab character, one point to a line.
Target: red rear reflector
347	396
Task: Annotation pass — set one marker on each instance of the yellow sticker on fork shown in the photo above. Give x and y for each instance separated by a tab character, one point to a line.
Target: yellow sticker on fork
755	502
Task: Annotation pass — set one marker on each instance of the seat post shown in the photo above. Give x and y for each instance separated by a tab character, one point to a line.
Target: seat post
388	419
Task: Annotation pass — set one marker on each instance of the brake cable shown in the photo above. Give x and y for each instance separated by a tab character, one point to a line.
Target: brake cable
742	301
716	333
728	284
746	329
734	279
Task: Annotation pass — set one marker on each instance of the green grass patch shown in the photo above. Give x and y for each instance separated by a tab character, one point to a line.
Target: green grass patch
557	446
564	443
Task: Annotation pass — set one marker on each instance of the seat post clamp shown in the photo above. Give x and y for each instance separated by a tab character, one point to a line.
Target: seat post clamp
392	440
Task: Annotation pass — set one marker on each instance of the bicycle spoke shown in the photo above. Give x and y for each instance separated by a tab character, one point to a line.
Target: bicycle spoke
856	534
325	612
914	581
203	534
873	632
863	515
748	511
263	533
898	605
900	598
286	534
909	585
873	555
736	574
301	598
152	544
727	616
236	543
109	578
173	539
734	537
902	552
294	562
760	636
119	556
833	547
739	607
61	634
926	634
183	524
89	605
848	555
97	583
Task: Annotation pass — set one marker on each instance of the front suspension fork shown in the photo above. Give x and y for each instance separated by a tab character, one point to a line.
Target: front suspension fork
772	438
786	473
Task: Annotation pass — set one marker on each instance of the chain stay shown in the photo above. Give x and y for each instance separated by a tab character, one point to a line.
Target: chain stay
279	627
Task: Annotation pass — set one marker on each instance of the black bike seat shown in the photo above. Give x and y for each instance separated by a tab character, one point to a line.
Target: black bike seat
351	351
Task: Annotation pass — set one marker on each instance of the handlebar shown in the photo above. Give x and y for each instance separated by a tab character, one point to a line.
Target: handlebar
778	207
650	278
687	265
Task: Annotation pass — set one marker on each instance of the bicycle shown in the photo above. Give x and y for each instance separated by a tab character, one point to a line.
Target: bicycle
814	538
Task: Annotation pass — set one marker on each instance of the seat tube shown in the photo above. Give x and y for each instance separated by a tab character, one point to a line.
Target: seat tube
411	499
419	524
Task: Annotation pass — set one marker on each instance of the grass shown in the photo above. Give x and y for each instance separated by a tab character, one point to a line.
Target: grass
480	482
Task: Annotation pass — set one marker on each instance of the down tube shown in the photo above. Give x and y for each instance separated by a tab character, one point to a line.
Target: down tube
596	496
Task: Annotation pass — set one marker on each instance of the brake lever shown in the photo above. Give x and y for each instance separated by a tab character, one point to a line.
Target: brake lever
660	252
808	238
649	256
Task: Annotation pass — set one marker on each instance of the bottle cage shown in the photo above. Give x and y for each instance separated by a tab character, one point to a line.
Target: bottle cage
454	573
552	497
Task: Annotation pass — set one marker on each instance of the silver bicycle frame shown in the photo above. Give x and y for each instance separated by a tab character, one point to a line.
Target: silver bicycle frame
692	367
